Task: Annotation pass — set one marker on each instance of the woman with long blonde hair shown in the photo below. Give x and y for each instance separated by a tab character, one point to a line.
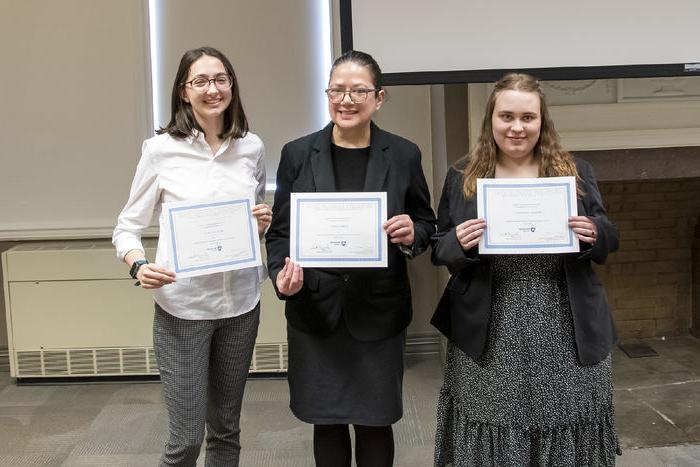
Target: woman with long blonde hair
528	372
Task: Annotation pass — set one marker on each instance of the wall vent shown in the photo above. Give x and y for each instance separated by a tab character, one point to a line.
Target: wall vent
134	361
122	361
108	361
269	358
82	361
29	364
55	363
85	362
152	362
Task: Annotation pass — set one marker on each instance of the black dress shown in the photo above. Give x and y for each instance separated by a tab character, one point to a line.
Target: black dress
337	379
527	401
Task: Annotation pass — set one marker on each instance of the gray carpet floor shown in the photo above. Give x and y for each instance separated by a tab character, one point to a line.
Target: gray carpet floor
124	424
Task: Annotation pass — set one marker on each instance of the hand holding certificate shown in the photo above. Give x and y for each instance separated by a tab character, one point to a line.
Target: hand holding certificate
527	215
338	229
212	237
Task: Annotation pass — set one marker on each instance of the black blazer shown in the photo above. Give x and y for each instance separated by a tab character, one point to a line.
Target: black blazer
465	307
374	302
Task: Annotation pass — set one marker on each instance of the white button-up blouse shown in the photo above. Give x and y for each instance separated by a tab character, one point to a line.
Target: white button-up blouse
173	169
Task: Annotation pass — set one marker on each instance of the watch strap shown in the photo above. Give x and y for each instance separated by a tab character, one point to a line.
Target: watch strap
135	266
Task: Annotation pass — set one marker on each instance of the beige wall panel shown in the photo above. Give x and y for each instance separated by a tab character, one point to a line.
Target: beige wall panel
456	121
73	116
653	117
62	261
78	314
275	48
273	325
407	113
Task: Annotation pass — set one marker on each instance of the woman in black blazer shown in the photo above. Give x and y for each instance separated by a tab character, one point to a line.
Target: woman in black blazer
527	377
346	326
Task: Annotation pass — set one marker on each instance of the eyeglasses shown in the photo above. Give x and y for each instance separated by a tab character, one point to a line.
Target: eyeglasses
357	96
201	84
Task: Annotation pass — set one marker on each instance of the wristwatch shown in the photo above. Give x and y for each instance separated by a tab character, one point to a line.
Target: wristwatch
135	267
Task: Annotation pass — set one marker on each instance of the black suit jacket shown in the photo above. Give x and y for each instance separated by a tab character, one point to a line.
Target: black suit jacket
464	310
374	302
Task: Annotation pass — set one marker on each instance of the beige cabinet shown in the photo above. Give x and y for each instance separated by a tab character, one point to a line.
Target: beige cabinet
72	311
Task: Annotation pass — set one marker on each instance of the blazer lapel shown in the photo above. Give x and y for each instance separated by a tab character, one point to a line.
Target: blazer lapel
378	163
322	162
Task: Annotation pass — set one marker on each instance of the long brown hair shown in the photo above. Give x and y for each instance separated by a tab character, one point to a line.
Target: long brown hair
554	160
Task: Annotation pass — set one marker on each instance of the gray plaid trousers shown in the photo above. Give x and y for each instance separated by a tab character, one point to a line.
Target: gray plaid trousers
203	366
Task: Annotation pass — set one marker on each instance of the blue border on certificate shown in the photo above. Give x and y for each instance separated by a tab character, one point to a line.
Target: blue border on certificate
245	202
377	259
529	185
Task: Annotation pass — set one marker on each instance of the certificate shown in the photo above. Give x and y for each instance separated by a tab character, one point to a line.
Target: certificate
212	237
338	230
527	215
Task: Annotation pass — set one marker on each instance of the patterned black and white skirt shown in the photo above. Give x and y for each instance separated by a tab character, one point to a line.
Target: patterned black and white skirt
527	401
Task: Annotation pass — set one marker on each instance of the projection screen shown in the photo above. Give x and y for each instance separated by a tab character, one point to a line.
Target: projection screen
449	41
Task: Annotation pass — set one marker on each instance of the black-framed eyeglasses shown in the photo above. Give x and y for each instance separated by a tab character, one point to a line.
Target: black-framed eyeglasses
201	83
357	96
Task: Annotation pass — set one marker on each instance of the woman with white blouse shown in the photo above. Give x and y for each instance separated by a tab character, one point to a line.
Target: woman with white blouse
204	327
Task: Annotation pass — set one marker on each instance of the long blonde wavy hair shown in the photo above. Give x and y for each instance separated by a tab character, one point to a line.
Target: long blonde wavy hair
554	160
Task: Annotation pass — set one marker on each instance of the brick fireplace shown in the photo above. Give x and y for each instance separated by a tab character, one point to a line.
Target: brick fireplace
653	280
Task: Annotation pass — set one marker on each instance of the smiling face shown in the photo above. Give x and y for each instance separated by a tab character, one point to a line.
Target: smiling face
346	115
516	123
207	106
